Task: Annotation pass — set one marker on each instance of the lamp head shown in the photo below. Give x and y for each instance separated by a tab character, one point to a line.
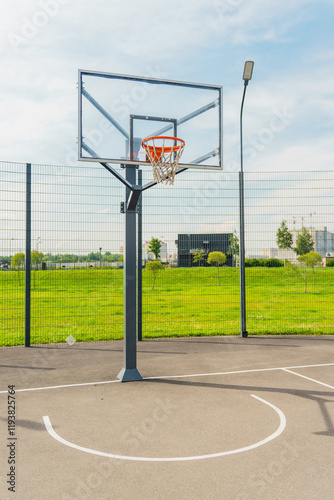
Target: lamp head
248	70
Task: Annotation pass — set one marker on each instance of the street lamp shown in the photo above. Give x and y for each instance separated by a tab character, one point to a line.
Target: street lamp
10	250
100	257
248	71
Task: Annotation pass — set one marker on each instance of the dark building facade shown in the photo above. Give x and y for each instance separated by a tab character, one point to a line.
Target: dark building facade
188	243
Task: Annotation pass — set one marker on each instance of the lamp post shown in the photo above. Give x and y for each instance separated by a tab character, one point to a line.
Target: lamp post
10	250
100	257
248	71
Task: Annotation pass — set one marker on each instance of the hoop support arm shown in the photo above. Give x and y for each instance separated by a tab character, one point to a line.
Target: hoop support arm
133	198
151	184
117	175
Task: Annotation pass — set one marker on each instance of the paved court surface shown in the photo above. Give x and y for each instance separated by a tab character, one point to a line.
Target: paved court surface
214	418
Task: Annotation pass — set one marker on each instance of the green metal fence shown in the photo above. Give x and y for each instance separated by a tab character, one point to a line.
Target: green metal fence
76	276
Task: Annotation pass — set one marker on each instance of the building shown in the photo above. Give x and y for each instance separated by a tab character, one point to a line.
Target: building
279	253
323	240
187	244
163	251
323	244
329	256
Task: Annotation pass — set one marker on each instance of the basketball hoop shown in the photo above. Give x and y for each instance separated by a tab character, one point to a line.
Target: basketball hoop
164	159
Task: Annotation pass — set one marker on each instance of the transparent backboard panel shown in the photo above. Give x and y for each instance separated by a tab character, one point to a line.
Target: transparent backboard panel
116	112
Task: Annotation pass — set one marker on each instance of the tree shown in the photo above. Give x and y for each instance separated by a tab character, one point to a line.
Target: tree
109	257
304	242
94	256
310	259
217	259
154	247
36	258
17	262
300	272
69	257
284	238
154	266
233	248
198	256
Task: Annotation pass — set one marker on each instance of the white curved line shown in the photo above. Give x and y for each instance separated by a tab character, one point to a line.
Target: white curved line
279	431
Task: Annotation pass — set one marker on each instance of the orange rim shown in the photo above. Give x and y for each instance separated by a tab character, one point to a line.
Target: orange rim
168	149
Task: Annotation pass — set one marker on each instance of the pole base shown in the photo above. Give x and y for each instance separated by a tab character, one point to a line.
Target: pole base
244	334
127	375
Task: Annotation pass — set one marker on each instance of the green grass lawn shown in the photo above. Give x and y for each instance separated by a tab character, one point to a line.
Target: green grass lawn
88	304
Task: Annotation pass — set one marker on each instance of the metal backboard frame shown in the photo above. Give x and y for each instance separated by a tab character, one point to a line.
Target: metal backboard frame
192	114
206	112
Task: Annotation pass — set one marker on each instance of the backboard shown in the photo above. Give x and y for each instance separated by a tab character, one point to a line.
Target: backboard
116	112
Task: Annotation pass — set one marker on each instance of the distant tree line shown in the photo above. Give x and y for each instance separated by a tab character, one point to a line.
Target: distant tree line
68	258
65	258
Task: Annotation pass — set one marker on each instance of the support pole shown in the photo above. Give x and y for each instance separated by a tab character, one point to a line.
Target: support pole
28	256
139	264
129	372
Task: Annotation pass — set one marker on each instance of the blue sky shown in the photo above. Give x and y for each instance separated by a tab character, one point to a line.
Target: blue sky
288	115
289	110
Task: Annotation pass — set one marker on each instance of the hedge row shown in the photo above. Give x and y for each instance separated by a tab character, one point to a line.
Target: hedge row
264	263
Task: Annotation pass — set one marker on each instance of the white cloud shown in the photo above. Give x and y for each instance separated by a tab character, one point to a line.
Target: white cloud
39	100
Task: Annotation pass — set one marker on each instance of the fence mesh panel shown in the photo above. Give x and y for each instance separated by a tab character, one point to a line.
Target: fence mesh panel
77	247
12	233
292	299
76	224
190	300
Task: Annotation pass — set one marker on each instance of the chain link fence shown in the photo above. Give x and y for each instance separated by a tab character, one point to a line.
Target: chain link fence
76	244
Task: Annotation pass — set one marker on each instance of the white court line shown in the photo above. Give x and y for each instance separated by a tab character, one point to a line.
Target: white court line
62	386
279	431
235	372
308	378
172	376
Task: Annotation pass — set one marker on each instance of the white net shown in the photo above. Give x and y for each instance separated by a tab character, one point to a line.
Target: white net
164	154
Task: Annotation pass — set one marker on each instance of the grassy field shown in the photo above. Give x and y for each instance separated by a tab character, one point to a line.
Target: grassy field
88	304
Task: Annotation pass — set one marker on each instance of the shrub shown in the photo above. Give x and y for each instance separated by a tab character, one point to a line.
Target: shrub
273	263
264	263
330	263
251	263
254	262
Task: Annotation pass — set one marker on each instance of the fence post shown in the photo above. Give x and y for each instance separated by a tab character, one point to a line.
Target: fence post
28	257
139	263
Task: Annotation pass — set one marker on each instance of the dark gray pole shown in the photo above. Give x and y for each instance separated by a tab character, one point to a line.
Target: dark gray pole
28	256
139	265
129	372
242	230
